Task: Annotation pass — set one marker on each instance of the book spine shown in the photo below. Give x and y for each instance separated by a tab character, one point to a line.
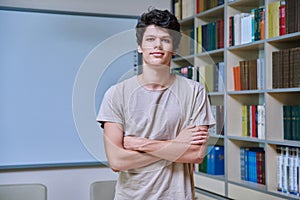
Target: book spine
296	68
285	170
260	121
291	171
279	168
282	19
285	68
231	31
244	121
262	23
242	163
199	39
221	83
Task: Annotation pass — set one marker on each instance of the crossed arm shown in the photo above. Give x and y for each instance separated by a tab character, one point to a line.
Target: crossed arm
126	153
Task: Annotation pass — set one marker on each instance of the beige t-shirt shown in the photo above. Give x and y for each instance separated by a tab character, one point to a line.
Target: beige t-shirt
159	115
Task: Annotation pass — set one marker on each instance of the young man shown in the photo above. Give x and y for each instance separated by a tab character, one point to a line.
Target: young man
156	124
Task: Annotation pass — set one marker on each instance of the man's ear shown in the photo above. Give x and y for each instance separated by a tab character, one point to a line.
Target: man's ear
140	49
174	52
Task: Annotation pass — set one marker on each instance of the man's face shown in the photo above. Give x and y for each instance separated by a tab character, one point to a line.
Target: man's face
157	46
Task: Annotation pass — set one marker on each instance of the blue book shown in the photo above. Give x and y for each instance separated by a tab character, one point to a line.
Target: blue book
210	167
215	160
252	172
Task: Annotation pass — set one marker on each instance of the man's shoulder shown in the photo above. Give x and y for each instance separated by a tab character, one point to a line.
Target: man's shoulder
186	82
123	86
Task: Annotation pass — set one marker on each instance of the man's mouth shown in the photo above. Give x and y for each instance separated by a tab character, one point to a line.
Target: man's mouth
157	53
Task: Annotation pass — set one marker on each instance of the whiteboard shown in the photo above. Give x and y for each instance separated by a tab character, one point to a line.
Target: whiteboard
43	57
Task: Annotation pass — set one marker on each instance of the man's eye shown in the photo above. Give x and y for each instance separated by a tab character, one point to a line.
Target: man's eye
149	39
166	40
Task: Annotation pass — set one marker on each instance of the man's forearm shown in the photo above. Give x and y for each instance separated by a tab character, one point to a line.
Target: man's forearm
121	159
188	147
171	150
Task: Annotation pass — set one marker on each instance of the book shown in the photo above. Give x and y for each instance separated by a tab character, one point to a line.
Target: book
237	77
279	156
285	68
291	122
199	39
288	173
282	18
246	28
260	121
273	19
252	164
245	120
231	31
215	160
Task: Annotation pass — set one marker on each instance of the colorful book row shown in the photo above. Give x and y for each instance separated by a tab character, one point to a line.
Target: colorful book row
286	68
253	121
247	27
183	8
210	36
249	75
211	76
203	5
288	170
213	162
291	122
283	17
252	161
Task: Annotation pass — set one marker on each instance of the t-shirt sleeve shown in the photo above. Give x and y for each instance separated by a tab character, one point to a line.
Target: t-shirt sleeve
201	111
111	108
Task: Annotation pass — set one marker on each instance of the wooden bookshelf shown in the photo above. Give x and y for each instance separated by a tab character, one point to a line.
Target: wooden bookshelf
231	185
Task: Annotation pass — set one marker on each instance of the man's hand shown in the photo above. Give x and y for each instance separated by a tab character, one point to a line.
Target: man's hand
193	135
133	143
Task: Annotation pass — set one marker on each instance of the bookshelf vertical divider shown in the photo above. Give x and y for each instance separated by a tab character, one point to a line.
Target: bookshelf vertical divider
260	96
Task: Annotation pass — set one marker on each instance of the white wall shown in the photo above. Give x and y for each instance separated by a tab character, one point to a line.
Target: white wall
62	184
117	7
74	183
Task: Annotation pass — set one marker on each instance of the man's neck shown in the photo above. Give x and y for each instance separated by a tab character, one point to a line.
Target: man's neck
156	77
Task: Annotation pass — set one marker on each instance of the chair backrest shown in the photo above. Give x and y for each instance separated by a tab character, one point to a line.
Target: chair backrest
103	190
23	192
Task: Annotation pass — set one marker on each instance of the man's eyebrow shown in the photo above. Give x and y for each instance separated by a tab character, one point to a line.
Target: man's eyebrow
164	36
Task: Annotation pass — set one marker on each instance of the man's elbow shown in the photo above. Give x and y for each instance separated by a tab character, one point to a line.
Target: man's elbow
116	166
198	160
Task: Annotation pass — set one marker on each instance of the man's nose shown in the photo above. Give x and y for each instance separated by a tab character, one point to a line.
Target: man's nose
158	43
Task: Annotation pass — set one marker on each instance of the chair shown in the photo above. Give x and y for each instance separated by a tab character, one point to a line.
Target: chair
103	190
23	192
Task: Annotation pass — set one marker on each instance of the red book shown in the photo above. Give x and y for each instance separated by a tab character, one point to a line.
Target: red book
254	121
282	20
221	33
231	27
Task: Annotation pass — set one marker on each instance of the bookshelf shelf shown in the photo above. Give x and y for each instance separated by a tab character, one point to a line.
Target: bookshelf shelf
267	97
241	3
285	38
244	138
284	143
217	177
245	92
257	45
214	13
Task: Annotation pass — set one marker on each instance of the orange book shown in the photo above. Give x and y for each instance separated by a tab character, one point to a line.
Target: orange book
262	24
239	82
236	78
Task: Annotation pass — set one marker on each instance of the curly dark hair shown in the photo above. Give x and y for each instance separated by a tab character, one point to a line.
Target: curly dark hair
161	18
